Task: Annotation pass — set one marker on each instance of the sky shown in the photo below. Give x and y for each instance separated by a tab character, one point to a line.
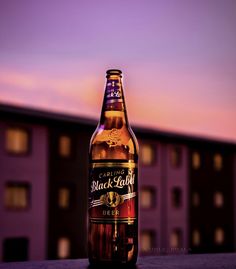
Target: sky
178	59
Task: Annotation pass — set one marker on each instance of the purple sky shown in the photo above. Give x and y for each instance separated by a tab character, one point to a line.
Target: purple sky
178	59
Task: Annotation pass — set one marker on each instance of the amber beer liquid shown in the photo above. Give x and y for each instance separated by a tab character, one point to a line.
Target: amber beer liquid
113	182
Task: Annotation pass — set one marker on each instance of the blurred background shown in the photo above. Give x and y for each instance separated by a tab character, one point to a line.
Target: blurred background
179	65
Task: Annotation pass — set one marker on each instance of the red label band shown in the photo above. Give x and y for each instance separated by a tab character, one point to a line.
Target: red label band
113	192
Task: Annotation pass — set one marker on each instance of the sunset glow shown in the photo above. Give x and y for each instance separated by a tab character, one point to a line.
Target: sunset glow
178	60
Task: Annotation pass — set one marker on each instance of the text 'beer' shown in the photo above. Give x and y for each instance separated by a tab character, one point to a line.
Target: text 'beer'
113	182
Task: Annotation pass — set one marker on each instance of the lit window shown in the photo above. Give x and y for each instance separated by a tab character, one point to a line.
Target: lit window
63	197
147	197
219	236
176	197
63	248
218	162
218	199
17	140
16	195
146	240
176	238
147	154
196	237
196	160
175	157
195	199
64	146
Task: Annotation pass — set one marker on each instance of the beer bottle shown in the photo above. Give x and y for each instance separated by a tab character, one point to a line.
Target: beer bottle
113	182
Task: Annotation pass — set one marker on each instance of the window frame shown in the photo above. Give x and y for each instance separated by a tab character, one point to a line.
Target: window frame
28	195
72	195
28	131
215	167
179	152
193	197
200	160
221	206
153	192
173	204
69	248
72	154
153	235
219	229
179	233
194	231
153	147
9	241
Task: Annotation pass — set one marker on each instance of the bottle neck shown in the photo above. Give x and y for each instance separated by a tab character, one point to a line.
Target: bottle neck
114	109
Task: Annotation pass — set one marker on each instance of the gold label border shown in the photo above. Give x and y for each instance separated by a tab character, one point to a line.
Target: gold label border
117	220
114	164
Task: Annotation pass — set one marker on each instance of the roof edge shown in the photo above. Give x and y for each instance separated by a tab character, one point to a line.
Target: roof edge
151	132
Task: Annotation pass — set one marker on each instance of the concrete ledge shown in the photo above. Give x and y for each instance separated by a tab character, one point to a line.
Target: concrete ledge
197	261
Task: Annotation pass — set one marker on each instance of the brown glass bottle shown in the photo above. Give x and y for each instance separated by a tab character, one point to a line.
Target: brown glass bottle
113	182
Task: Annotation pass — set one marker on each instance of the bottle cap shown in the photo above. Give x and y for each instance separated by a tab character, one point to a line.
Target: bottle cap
114	72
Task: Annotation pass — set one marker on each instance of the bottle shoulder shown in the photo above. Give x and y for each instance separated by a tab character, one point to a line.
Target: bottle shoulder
113	143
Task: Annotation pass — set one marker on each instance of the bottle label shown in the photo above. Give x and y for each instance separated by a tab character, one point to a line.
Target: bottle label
113	91
113	192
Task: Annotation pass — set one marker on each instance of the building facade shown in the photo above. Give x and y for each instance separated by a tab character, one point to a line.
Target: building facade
212	194
23	190
186	188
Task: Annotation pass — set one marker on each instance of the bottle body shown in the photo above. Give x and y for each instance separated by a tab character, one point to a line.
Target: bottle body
113	182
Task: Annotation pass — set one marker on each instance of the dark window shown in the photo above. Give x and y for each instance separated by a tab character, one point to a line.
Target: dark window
195	199
15	249
175	157
17	195
176	197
